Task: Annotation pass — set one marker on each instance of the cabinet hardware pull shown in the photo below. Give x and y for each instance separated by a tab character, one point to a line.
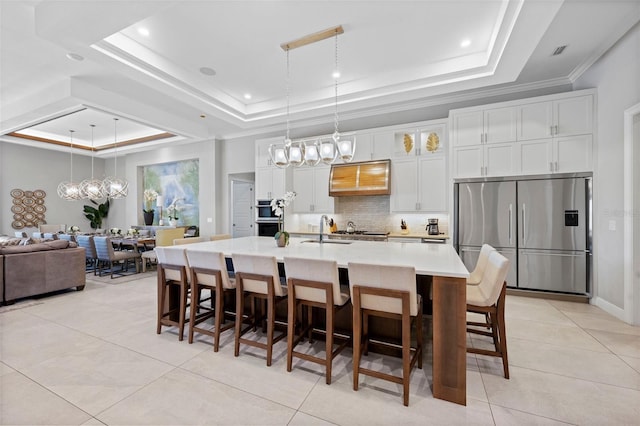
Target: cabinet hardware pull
510	220
556	128
524	222
551	166
550	130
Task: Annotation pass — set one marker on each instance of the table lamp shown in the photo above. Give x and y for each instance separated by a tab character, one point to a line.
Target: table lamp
159	203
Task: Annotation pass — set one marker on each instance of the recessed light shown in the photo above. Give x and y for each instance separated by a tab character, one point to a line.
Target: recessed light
465	43
247	96
336	74
208	71
75	56
143	31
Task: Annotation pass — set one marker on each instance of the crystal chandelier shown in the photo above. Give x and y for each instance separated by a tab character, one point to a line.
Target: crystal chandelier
69	190
113	186
92	189
311	152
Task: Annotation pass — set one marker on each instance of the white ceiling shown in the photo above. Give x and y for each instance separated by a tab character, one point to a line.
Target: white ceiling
393	56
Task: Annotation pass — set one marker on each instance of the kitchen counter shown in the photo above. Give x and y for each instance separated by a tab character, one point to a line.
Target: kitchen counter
411	235
440	261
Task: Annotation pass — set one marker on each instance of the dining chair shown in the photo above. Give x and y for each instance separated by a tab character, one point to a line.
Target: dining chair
90	254
189	240
389	292
172	272
164	237
313	283
208	271
257	277
68	237
488	299
21	234
217	237
106	255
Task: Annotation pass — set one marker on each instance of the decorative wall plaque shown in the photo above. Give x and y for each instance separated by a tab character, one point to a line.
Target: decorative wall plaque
28	208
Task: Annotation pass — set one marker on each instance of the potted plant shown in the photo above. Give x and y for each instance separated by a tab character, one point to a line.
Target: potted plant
172	211
278	205
150	196
96	215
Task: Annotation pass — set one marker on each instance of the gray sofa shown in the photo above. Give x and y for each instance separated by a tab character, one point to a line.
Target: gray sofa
34	269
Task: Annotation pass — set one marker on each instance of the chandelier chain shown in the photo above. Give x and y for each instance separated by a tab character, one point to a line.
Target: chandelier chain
288	88
115	144
336	71
71	155
92	151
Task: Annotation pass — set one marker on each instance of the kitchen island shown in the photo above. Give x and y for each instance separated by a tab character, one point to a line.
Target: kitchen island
439	261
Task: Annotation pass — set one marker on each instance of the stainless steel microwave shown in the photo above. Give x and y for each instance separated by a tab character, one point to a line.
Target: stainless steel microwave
264	210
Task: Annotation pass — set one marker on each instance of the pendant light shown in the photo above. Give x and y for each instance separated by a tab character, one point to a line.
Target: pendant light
92	189
115	187
69	190
345	146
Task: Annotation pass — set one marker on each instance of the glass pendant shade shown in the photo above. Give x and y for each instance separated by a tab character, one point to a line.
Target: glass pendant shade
311	153
346	147
69	191
115	187
328	151
278	154
296	153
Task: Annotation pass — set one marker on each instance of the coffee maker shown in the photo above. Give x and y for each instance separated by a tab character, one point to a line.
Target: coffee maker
432	227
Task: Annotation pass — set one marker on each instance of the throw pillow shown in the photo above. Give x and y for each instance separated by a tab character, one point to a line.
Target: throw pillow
11	242
26	241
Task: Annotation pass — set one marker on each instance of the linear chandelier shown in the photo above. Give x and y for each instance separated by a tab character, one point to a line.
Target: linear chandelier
311	152
92	188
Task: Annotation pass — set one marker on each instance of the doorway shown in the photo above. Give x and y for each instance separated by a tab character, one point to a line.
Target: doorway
632	214
242	201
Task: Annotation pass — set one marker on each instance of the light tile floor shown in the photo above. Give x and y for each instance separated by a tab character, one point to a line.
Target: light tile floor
93	357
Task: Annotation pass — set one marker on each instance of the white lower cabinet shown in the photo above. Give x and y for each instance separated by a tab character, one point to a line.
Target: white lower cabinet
312	188
419	184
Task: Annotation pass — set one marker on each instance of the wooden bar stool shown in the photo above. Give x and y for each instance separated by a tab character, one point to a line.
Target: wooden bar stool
172	271
488	298
257	277
389	292
304	288
208	271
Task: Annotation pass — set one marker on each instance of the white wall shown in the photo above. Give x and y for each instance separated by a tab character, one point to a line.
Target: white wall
236	157
203	151
616	75
28	168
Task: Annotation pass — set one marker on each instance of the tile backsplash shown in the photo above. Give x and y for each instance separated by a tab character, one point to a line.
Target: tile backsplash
370	213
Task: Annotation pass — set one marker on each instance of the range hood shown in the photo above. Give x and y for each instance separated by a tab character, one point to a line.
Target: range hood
365	178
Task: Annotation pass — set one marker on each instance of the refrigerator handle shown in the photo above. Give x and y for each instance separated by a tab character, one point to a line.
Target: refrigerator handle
524	222
510	222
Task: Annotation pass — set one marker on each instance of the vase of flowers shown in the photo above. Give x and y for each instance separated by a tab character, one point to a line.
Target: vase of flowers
278	205
73	229
172	211
150	196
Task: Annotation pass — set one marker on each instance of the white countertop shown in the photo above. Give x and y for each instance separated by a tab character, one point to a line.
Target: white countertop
428	259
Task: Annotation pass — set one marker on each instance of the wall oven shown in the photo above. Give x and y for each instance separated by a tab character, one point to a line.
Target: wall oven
263	209
266	219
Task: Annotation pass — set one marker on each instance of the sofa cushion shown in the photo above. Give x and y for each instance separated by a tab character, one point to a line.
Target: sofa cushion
30	248
10	242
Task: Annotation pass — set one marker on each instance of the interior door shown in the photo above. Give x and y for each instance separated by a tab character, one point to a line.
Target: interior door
242	214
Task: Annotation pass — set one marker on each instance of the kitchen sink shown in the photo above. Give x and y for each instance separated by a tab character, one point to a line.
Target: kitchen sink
328	241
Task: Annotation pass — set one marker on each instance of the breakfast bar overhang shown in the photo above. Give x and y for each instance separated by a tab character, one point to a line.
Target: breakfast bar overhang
440	261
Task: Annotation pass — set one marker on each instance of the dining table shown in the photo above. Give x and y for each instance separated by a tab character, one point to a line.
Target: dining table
440	262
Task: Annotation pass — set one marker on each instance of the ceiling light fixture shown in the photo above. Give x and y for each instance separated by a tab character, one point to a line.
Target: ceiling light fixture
69	190
208	71
115	187
247	96
92	189
311	152
75	56
143	31
465	43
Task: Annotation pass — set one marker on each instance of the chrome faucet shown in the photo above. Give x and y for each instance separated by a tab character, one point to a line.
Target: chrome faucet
323	219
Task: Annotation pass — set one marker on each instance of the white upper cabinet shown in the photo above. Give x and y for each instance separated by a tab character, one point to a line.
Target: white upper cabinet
562	117
550	134
312	188
263	159
270	182
419	169
490	125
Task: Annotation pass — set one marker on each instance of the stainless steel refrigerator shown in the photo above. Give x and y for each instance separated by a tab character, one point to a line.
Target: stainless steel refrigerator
542	224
